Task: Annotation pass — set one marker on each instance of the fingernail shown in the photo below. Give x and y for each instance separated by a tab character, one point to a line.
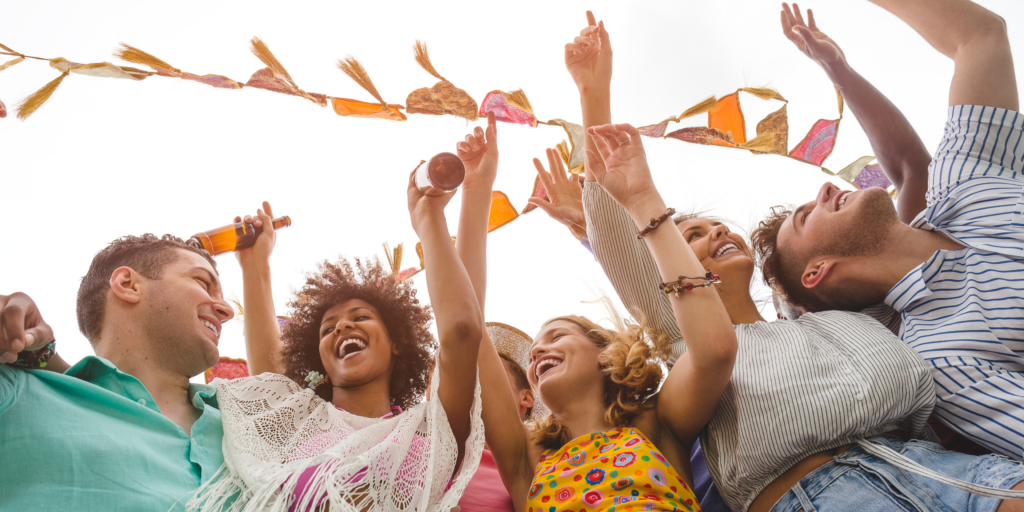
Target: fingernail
17	345
10	357
30	339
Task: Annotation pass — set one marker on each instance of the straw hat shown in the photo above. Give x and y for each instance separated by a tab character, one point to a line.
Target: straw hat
516	344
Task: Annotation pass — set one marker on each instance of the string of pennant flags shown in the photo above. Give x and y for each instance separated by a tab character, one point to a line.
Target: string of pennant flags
726	126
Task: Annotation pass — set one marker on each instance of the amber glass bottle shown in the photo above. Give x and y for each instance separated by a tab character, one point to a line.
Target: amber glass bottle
233	237
443	173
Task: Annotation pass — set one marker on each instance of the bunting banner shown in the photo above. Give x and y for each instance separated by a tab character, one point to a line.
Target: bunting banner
725	127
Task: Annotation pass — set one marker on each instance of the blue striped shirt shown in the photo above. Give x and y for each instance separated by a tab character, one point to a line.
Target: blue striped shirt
963	310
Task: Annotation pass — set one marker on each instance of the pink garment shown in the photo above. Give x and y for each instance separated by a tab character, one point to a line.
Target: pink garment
485	491
318	445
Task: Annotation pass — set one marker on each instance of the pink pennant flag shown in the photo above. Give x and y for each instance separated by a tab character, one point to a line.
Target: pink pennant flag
510	107
818	143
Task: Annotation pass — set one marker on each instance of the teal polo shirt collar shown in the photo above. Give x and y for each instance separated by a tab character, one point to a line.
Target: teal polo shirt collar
101	372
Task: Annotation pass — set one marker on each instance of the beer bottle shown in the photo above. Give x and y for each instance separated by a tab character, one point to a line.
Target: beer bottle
233	237
443	173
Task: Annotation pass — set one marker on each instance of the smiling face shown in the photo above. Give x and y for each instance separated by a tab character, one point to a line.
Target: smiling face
721	251
182	313
563	359
355	347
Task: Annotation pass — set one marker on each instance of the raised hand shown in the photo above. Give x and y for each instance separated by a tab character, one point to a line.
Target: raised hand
480	154
589	56
806	36
624	174
424	208
23	327
565	195
264	246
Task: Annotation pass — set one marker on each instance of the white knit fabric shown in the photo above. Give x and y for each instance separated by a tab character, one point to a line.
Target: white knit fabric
275	429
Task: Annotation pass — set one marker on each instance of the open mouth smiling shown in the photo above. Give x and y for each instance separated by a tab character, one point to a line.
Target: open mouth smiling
841	200
546	363
725	248
349	346
213	327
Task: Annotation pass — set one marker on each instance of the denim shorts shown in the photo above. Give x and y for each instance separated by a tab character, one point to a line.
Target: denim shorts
855	480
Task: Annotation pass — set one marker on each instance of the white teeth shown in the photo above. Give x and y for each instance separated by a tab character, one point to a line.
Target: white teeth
359	344
210	325
725	249
546	365
842	201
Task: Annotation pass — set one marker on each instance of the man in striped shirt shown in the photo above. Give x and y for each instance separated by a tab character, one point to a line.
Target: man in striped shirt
955	274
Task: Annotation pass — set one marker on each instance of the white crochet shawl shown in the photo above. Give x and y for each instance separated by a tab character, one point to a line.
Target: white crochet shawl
270	424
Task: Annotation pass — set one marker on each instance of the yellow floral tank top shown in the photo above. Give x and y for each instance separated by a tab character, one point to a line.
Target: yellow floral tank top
616	471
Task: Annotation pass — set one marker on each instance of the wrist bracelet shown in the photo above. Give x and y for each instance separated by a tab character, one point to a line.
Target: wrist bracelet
35	358
677	286
655	222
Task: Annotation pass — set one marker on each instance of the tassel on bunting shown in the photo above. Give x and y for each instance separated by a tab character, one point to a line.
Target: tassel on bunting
275	77
443	98
137	56
355	108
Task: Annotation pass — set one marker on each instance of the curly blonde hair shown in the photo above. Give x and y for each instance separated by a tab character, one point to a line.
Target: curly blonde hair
631	364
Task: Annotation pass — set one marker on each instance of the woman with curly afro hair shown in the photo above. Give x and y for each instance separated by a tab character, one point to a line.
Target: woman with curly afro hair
335	411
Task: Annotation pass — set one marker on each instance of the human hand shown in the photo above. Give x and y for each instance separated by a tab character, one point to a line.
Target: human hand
589	56
424	208
565	195
624	173
264	246
806	36
23	327
479	152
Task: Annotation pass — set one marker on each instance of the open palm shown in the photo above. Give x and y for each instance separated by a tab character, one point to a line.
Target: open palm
624	174
808	39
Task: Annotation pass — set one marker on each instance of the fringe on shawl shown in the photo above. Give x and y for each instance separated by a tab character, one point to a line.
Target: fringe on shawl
274	486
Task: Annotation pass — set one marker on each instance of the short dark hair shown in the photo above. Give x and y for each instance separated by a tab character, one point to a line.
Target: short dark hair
406	320
146	254
519	375
781	272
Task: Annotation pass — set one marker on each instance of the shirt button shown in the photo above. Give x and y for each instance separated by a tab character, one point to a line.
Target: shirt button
847	371
142	402
859	396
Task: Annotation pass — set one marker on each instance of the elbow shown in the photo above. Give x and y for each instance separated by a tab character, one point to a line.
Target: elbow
988	28
466	330
722	355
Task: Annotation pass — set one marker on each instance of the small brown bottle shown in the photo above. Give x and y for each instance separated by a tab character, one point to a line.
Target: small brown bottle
443	173
233	237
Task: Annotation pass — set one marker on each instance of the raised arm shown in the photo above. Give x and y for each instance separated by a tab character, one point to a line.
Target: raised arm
262	334
589	60
690	394
456	311
975	38
898	148
507	437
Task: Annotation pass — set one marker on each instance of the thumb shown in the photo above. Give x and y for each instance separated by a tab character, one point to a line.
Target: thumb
38	337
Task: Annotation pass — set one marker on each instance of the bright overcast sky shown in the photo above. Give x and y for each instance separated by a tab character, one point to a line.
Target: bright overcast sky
105	158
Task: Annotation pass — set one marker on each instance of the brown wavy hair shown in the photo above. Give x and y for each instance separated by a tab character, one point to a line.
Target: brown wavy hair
632	372
406	320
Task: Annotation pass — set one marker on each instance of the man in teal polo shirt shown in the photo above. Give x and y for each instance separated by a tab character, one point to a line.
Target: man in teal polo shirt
124	430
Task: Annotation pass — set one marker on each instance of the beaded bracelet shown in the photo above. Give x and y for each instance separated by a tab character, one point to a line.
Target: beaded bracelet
35	358
654	223
678	285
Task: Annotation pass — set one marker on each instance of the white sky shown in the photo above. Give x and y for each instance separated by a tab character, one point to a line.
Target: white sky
105	158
